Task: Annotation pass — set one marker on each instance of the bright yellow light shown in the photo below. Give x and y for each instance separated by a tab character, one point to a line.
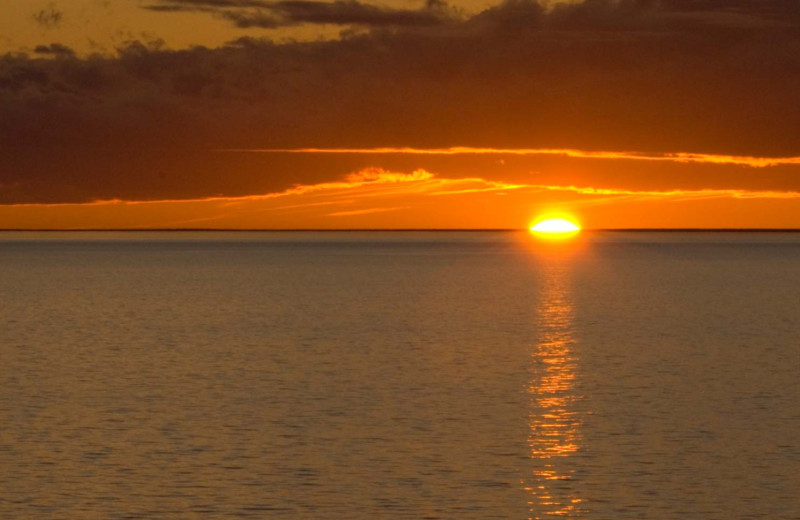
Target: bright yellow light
555	226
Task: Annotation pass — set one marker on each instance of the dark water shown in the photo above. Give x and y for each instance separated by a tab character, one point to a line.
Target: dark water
399	376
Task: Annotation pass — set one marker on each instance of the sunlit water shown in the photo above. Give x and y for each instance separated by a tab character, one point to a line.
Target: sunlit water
400	376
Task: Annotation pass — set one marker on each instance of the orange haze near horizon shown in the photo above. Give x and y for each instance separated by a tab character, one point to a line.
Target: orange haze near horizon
378	199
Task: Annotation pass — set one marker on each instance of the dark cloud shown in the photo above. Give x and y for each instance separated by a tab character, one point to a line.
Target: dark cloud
204	5
49	17
655	15
54	49
665	76
776	9
268	15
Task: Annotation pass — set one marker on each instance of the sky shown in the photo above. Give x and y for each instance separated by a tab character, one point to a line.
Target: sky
297	114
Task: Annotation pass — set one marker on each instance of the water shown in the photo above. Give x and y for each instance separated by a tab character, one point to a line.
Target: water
399	375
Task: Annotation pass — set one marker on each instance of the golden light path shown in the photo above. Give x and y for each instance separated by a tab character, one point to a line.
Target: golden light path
555	226
555	417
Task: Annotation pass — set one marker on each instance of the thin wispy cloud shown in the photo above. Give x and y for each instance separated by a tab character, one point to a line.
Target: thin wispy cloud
679	157
270	15
676	194
49	17
361	200
372	182
366	211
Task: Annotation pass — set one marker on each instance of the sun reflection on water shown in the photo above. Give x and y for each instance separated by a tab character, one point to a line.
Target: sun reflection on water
554	421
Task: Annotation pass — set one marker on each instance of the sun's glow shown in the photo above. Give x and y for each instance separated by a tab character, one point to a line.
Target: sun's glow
555	226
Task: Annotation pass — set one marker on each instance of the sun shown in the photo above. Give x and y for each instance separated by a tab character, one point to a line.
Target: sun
555	227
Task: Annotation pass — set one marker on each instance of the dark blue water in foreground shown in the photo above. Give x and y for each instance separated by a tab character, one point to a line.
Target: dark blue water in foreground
399	376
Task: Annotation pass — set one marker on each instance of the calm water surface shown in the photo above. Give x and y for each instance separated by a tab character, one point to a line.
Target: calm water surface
399	376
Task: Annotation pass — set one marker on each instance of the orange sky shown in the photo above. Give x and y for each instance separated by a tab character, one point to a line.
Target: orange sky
468	114
378	199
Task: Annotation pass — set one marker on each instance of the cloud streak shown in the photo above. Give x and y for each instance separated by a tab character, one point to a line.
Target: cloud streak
269	15
366	211
374	198
676	194
680	157
376	182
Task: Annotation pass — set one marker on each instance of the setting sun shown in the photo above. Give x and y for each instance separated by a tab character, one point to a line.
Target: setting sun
556	226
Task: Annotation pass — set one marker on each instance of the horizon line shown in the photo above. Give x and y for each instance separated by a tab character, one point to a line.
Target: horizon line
392	230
